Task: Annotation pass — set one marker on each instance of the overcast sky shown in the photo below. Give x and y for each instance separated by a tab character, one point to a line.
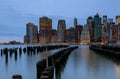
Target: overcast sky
15	14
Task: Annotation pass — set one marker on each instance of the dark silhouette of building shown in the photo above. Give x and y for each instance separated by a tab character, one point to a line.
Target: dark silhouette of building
70	35
75	22
78	30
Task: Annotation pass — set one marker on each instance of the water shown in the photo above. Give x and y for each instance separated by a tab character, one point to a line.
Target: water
82	63
24	64
85	64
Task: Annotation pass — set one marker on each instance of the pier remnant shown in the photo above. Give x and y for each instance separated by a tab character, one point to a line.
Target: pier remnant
17	76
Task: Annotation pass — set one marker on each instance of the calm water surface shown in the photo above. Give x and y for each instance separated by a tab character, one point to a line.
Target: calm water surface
85	64
81	64
24	64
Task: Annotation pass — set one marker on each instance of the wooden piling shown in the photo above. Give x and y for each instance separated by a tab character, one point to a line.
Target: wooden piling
17	76
41	65
50	60
44	77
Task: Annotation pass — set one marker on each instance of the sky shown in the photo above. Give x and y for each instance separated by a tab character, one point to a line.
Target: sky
15	14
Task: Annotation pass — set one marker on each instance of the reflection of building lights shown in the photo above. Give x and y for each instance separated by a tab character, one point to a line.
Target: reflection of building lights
117	71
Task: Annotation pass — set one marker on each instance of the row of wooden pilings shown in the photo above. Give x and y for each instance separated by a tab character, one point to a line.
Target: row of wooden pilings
109	47
109	51
45	67
28	49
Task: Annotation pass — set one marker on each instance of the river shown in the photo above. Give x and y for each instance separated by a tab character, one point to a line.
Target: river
82	63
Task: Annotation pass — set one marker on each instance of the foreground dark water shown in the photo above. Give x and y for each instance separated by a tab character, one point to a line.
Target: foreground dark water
81	64
85	64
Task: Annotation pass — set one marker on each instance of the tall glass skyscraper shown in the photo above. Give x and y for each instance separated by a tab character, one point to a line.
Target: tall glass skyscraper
31	33
97	28
75	22
61	31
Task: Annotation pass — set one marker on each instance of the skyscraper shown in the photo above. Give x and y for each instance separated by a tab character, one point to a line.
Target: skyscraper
89	20
91	26
105	30
54	36
97	28
118	24
31	33
118	19
75	22
104	20
85	36
78	30
70	35
45	24
110	20
61	31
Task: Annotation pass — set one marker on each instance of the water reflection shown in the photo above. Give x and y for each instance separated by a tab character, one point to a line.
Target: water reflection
117	71
59	69
81	64
84	63
6	60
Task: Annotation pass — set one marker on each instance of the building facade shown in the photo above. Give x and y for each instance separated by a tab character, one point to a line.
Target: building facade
105	30
45	25
105	20
97	28
75	22
54	36
78	30
110	20
91	26
118	19
70	35
61	35
31	34
85	35
118	33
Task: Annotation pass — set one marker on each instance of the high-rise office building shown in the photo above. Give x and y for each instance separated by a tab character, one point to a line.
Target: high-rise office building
31	33
105	33
91	26
78	30
105	20
105	30
85	35
75	22
119	33
118	19
97	28
89	20
110	20
54	36
118	24
61	31
45	24
113	32
70	35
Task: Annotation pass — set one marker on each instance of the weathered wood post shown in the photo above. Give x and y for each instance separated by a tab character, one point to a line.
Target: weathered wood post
41	65
17	76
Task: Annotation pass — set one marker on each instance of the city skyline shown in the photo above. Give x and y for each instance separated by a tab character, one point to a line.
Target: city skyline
16	14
